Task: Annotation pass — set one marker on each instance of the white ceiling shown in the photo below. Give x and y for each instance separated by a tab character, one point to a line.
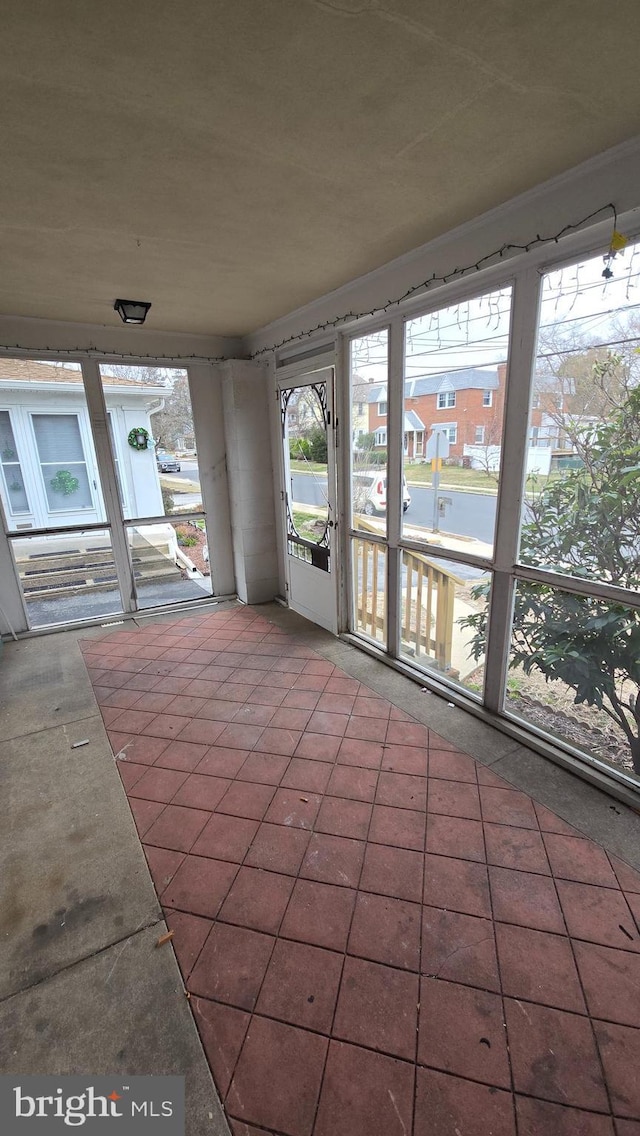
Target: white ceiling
231	160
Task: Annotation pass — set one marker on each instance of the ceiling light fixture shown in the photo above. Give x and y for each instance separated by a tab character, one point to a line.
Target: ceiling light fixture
132	311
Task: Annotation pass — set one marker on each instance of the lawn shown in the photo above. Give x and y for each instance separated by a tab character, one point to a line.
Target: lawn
453	476
308	525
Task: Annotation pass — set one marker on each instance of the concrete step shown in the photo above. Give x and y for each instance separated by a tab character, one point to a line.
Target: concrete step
46	562
90	570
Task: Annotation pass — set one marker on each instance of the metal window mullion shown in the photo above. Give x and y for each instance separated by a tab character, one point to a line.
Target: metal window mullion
594	589
109	482
442	552
520	367
344	458
395	421
164	519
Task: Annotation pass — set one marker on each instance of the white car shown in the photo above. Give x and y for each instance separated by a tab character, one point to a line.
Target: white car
370	492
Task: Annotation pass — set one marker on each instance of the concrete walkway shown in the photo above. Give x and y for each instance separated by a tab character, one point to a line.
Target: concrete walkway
83	987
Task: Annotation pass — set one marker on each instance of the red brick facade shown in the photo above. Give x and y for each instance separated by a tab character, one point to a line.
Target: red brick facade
467	415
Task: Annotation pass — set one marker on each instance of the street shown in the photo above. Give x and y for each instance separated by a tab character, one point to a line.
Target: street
188	470
470	514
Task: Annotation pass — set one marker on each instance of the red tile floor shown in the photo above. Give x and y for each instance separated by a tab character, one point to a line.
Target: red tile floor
380	937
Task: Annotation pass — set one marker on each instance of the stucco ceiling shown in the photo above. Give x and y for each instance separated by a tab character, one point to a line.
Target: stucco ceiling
231	160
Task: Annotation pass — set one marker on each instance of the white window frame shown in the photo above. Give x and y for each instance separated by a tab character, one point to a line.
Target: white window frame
89	463
524	275
446	400
20	514
487	398
448	428
479	440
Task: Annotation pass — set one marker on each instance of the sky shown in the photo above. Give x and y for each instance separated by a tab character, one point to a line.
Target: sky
576	300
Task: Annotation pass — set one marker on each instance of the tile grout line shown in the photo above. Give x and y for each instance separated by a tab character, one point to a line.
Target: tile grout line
347	937
277	939
603	1072
276	936
514	1109
420	950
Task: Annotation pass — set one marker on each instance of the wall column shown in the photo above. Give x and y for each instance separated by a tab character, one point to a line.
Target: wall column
250	473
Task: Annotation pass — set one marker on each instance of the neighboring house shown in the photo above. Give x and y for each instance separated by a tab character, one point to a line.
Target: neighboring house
360	390
48	472
548	408
304	413
467	405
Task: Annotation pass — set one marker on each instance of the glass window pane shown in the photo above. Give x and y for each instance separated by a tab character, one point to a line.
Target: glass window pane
454	387
49	468
170	562
441	602
61	454
58	438
574	671
304	423
12	482
368	431
369	564
65	578
153	439
581	512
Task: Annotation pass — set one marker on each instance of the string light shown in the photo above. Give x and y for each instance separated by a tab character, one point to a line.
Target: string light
423	286
455	274
95	353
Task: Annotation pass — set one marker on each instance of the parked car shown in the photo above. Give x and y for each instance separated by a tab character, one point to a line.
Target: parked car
370	492
167	463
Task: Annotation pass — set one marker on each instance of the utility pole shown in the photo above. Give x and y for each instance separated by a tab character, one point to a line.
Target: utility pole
435	481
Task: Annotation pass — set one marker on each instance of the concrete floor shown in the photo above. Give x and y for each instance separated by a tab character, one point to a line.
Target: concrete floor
83	988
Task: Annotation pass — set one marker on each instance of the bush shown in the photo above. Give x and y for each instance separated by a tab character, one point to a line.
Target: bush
378	457
586	524
168	503
299	449
318	445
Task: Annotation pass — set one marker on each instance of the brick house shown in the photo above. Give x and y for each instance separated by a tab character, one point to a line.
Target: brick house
467	404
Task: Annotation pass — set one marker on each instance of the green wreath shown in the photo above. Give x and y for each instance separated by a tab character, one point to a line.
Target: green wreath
138	438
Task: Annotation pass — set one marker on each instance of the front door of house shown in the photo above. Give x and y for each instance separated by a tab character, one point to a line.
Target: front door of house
66	474
309	495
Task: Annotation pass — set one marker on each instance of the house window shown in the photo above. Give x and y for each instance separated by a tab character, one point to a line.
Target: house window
535	403
62	462
381	437
446	399
533	436
360	408
419	443
487	398
449	429
382	409
11	469
479	438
